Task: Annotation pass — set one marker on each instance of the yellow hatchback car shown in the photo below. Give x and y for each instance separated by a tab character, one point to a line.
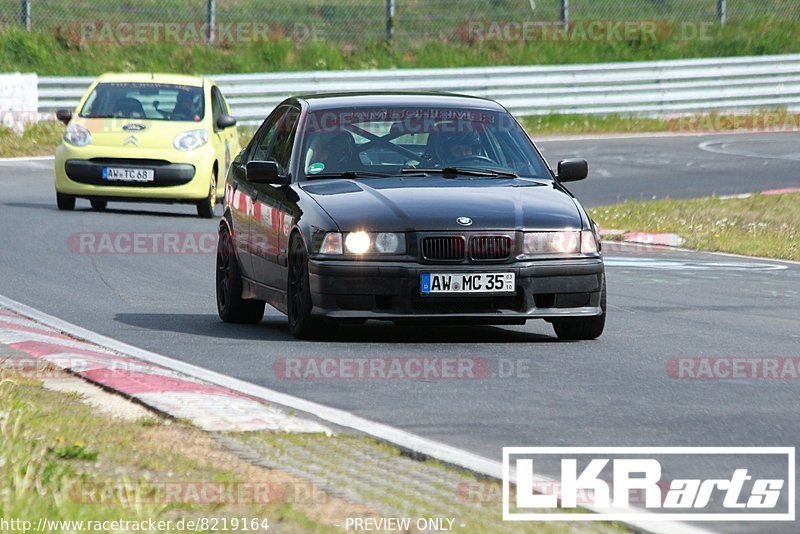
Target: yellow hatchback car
146	137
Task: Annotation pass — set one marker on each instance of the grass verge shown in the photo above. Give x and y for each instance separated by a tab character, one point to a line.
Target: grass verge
758	225
62	460
770	120
63	51
37	140
540	125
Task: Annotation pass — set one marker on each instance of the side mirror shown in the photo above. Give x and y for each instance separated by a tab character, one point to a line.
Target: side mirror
572	170
64	115
264	172
225	121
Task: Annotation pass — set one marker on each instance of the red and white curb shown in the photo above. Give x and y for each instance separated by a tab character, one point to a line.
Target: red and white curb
645	238
208	406
784	191
766	192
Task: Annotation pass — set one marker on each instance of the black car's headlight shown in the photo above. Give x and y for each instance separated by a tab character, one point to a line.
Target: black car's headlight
560	242
360	243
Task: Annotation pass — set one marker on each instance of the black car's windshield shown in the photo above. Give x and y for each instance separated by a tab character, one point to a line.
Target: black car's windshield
350	142
156	101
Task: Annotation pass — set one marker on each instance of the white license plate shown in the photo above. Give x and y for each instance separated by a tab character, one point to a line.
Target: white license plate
121	174
467	283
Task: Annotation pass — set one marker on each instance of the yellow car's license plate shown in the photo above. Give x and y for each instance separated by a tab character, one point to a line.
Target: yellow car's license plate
123	174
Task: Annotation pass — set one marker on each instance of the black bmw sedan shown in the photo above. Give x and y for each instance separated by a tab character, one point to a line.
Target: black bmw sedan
405	207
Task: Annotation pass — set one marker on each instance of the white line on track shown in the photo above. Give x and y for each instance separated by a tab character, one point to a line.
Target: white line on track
406	440
733	255
725	148
688	265
26	158
646	135
635	246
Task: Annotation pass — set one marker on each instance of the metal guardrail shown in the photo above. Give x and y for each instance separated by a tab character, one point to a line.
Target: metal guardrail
651	88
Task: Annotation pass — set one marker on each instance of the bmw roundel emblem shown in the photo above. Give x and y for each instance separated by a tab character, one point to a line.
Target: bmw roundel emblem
464	221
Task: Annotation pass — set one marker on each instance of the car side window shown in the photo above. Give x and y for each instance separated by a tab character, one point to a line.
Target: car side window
216	107
223	104
266	135
282	149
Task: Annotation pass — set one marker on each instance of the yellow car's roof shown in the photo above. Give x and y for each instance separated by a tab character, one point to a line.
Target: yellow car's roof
178	79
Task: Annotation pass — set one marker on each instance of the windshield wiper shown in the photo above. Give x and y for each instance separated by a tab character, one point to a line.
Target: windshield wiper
349	174
452	172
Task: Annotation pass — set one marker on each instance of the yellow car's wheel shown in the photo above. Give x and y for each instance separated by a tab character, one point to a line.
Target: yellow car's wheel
65	202
98	205
205	207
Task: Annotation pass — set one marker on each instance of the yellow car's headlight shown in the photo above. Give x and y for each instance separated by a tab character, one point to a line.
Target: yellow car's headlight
77	135
190	140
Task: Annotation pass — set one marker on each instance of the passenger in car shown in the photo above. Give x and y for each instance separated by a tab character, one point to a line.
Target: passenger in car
333	152
128	108
185	108
449	148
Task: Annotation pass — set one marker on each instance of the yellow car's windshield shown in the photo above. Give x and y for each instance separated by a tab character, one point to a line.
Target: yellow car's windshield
154	101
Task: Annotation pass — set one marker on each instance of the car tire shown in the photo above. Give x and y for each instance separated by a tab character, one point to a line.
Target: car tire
98	205
302	324
205	207
232	308
582	328
65	202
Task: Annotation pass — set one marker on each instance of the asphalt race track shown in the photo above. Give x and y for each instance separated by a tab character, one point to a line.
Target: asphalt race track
617	391
641	168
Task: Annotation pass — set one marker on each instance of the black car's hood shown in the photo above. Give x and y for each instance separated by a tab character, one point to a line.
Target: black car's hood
433	203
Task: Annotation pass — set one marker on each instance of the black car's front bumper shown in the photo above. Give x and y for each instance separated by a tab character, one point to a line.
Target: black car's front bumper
391	290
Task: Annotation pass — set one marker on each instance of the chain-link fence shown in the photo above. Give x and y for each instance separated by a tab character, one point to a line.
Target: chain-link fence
356	21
